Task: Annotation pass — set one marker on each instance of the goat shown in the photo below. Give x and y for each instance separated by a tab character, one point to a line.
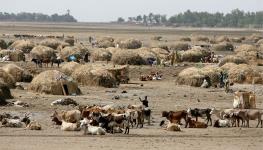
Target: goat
171	126
89	129
67	126
222	123
175	117
31	125
196	124
71	116
201	112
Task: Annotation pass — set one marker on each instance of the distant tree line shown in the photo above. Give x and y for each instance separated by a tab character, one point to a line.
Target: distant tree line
36	17
236	18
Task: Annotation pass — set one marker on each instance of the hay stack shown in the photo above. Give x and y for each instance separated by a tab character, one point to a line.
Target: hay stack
78	51
24	45
70	67
19	74
179	46
129	44
15	55
125	57
221	39
236	40
101	54
201	39
193	55
233	59
106	42
52	82
260	42
243	73
3	44
146	54
70	41
195	76
113	50
7	78
54	43
160	53
88	76
157	38
41	52
5	93
185	39
223	47
246	48
191	76
254	38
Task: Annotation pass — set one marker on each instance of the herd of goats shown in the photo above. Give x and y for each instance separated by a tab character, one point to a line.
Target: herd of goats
99	120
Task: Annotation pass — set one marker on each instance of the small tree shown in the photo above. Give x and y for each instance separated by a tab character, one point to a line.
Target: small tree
120	20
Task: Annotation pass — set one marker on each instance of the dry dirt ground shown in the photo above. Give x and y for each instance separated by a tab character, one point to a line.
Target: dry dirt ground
163	95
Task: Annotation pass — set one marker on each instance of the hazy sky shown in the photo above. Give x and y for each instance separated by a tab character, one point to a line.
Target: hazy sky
110	10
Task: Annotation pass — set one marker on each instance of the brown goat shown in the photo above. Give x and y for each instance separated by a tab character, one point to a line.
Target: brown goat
176	117
196	124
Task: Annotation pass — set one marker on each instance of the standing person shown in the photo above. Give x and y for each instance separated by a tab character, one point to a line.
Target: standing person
221	79
226	82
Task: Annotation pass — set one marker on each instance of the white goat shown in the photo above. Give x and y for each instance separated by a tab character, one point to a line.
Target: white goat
89	129
222	123
67	126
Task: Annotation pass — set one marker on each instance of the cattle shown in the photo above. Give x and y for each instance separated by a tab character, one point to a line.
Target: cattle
67	126
89	129
175	117
219	123
196	124
71	116
171	126
200	113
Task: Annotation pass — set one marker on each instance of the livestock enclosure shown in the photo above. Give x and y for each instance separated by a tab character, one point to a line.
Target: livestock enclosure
99	82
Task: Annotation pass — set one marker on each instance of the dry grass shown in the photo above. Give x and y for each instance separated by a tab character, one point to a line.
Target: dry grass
193	55
221	39
77	50
129	43
7	78
54	43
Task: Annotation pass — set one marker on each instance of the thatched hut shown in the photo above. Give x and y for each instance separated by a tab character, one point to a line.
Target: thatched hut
24	45
101	54
146	54
201	39
106	42
185	39
19	74
54	43
89	76
195	76
41	52
224	46
243	73
3	44
127	57
5	93
179	46
14	55
128	44
233	59
70	67
221	39
78	51
245	47
193	55
55	83
7	78
70	41
160	53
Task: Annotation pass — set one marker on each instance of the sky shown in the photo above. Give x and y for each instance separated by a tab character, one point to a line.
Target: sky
110	10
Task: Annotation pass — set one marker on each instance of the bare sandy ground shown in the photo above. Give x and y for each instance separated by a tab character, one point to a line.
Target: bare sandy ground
164	95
